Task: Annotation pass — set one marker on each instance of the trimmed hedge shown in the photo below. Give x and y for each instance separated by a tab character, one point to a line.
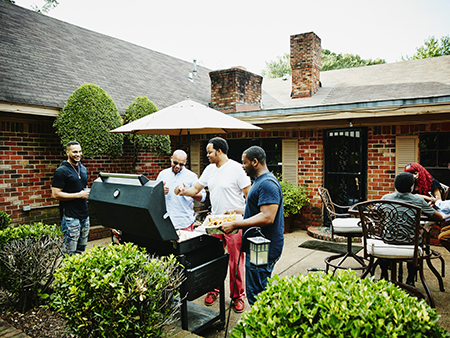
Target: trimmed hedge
117	291
322	305
87	117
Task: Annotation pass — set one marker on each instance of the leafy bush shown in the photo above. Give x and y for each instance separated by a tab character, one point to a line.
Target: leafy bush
294	197
5	220
159	144
322	305
87	117
117	291
29	254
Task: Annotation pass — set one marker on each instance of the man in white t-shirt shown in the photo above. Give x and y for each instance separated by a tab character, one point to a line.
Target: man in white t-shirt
228	186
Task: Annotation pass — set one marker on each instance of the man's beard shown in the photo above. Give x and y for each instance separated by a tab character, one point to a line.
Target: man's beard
73	160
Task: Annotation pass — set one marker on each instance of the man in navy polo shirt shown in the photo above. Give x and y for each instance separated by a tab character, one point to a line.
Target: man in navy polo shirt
70	187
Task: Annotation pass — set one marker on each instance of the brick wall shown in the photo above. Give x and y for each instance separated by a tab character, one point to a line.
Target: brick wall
235	90
380	161
305	64
30	152
310	173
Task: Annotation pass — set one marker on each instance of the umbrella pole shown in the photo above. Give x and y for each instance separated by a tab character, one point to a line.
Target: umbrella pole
189	149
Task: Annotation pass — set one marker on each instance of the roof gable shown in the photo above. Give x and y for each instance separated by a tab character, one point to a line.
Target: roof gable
43	60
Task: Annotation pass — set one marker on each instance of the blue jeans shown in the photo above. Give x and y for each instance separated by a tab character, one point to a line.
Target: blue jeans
256	278
76	233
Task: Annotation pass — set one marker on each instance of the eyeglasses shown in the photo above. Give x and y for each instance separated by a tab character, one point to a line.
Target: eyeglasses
180	163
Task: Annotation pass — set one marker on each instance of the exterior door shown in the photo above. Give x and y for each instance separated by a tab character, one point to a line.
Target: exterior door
346	165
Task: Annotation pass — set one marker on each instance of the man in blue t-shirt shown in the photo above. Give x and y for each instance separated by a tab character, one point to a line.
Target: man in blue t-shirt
69	186
264	209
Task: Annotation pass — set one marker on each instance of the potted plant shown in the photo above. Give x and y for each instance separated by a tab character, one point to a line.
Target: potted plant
294	198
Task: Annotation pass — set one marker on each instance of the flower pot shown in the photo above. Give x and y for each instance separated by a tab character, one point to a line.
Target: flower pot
287	223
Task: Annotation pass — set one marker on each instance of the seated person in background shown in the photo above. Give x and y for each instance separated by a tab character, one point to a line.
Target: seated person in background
427	187
444	237
404	184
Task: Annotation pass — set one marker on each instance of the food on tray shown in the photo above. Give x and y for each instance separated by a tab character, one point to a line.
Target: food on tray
222	219
184	235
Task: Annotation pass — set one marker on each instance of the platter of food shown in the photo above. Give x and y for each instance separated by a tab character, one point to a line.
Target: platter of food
212	223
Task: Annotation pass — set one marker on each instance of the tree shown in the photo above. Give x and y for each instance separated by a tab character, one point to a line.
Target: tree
87	117
332	61
48	5
159	144
281	66
432	47
277	68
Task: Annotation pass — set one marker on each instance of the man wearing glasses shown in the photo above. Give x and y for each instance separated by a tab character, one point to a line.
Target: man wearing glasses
180	208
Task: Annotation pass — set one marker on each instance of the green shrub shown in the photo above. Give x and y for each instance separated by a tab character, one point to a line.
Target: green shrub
5	220
158	144
87	117
29	254
294	197
117	291
320	305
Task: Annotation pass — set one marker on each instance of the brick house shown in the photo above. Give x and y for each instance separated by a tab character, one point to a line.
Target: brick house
350	130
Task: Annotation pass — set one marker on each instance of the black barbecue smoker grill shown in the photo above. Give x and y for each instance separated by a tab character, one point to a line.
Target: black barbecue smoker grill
136	205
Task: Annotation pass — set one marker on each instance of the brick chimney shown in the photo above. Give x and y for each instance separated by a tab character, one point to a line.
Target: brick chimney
235	89
305	63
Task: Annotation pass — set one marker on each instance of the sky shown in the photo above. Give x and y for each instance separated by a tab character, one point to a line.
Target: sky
249	33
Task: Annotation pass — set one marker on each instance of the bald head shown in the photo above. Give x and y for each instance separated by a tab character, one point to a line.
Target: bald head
178	160
180	153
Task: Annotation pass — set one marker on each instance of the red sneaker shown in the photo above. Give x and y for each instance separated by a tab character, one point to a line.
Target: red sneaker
210	298
238	305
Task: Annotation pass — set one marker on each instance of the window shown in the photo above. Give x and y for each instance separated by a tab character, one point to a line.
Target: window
434	151
272	147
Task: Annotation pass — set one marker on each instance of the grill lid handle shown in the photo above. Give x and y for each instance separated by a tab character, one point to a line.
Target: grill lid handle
142	179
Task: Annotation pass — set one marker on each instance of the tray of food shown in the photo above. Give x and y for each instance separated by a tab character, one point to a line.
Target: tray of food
212	223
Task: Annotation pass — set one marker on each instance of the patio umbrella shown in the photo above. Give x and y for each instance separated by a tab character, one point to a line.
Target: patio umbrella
185	118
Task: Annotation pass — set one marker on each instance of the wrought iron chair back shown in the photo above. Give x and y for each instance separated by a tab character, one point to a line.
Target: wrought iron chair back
342	224
392	222
331	207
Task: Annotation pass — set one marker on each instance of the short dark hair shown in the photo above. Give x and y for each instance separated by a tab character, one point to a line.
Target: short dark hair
219	143
72	143
255	152
403	182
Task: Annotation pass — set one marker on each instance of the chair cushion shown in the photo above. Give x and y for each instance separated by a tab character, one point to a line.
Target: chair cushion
342	226
378	248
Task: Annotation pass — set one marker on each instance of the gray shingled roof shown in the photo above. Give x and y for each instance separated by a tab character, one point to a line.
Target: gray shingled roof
417	79
43	60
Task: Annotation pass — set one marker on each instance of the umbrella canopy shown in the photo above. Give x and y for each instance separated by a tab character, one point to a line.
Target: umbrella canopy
185	118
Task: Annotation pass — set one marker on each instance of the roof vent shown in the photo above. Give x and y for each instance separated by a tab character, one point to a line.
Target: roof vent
194	70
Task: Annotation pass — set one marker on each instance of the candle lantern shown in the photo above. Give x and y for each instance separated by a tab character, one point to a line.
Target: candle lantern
259	251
